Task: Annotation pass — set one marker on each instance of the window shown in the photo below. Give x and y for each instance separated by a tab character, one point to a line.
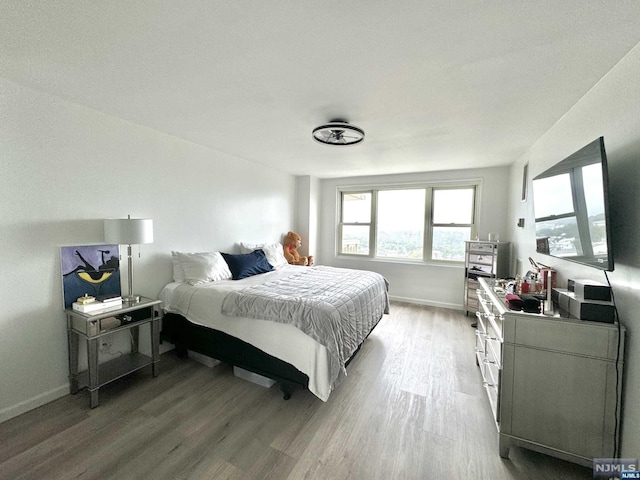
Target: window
413	224
355	223
451	222
400	225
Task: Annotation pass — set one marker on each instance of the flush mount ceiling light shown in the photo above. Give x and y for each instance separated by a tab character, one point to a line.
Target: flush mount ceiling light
338	132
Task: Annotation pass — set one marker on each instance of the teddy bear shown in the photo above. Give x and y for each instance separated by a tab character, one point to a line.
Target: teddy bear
291	244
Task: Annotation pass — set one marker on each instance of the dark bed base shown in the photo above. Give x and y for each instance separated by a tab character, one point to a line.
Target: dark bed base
216	344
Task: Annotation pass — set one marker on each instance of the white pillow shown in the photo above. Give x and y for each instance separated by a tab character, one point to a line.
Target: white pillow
250	247
178	271
203	267
273	251
275	255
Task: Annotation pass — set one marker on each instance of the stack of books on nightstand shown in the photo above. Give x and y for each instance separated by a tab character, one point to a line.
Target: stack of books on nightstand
99	304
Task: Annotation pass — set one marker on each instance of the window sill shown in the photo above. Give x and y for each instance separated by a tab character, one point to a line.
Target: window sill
399	261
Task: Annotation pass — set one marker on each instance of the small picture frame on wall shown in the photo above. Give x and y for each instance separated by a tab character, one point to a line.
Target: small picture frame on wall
525	181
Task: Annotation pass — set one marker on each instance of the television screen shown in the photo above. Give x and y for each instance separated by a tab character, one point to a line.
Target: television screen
571	207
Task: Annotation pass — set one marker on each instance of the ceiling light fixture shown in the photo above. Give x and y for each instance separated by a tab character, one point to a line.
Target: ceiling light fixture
338	132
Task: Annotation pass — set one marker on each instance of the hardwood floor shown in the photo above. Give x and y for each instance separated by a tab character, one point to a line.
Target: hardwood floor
412	407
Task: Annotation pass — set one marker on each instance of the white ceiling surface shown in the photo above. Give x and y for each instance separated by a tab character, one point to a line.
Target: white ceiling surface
435	84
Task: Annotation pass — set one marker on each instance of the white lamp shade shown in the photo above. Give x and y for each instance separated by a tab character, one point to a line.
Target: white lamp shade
128	231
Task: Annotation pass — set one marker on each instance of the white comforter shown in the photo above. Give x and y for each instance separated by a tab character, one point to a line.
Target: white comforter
202	305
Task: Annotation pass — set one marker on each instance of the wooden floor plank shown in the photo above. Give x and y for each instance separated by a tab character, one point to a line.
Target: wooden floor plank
411	407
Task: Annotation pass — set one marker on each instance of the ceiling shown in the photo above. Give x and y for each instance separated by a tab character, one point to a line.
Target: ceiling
436	85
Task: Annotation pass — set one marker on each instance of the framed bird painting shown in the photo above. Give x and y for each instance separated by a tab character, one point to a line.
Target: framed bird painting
89	270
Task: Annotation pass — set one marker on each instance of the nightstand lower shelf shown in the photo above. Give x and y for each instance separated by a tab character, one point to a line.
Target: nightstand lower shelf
115	369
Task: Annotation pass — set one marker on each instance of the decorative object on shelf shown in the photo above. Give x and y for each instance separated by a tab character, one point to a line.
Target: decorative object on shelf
338	132
85	299
549	282
129	231
88	271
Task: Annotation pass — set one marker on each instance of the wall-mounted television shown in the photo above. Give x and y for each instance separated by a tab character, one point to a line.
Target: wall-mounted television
571	204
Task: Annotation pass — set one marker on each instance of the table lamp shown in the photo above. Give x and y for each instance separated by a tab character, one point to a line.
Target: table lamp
129	231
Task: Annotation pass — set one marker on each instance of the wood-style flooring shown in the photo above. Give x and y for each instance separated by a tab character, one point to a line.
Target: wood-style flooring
412	407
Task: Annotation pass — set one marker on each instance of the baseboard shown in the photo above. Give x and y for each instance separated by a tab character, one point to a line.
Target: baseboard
35	402
430	303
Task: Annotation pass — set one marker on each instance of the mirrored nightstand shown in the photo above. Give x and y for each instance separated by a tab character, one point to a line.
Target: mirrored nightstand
91	328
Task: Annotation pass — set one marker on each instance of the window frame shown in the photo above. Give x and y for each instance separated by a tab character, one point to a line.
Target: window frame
432	225
429	187
370	224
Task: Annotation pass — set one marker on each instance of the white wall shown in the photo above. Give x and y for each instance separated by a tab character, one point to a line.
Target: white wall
307	192
427	284
611	109
64	168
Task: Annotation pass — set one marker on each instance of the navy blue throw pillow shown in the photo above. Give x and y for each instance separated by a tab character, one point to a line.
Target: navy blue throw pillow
247	264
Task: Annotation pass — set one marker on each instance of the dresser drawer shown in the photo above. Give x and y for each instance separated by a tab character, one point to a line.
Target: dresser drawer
492	392
577	337
494	351
480	268
480	346
483	259
472	302
481	321
492	373
482	248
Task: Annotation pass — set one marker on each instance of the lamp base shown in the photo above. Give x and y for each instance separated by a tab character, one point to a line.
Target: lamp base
131	298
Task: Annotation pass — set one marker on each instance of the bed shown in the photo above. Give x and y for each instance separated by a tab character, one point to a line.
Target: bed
299	326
